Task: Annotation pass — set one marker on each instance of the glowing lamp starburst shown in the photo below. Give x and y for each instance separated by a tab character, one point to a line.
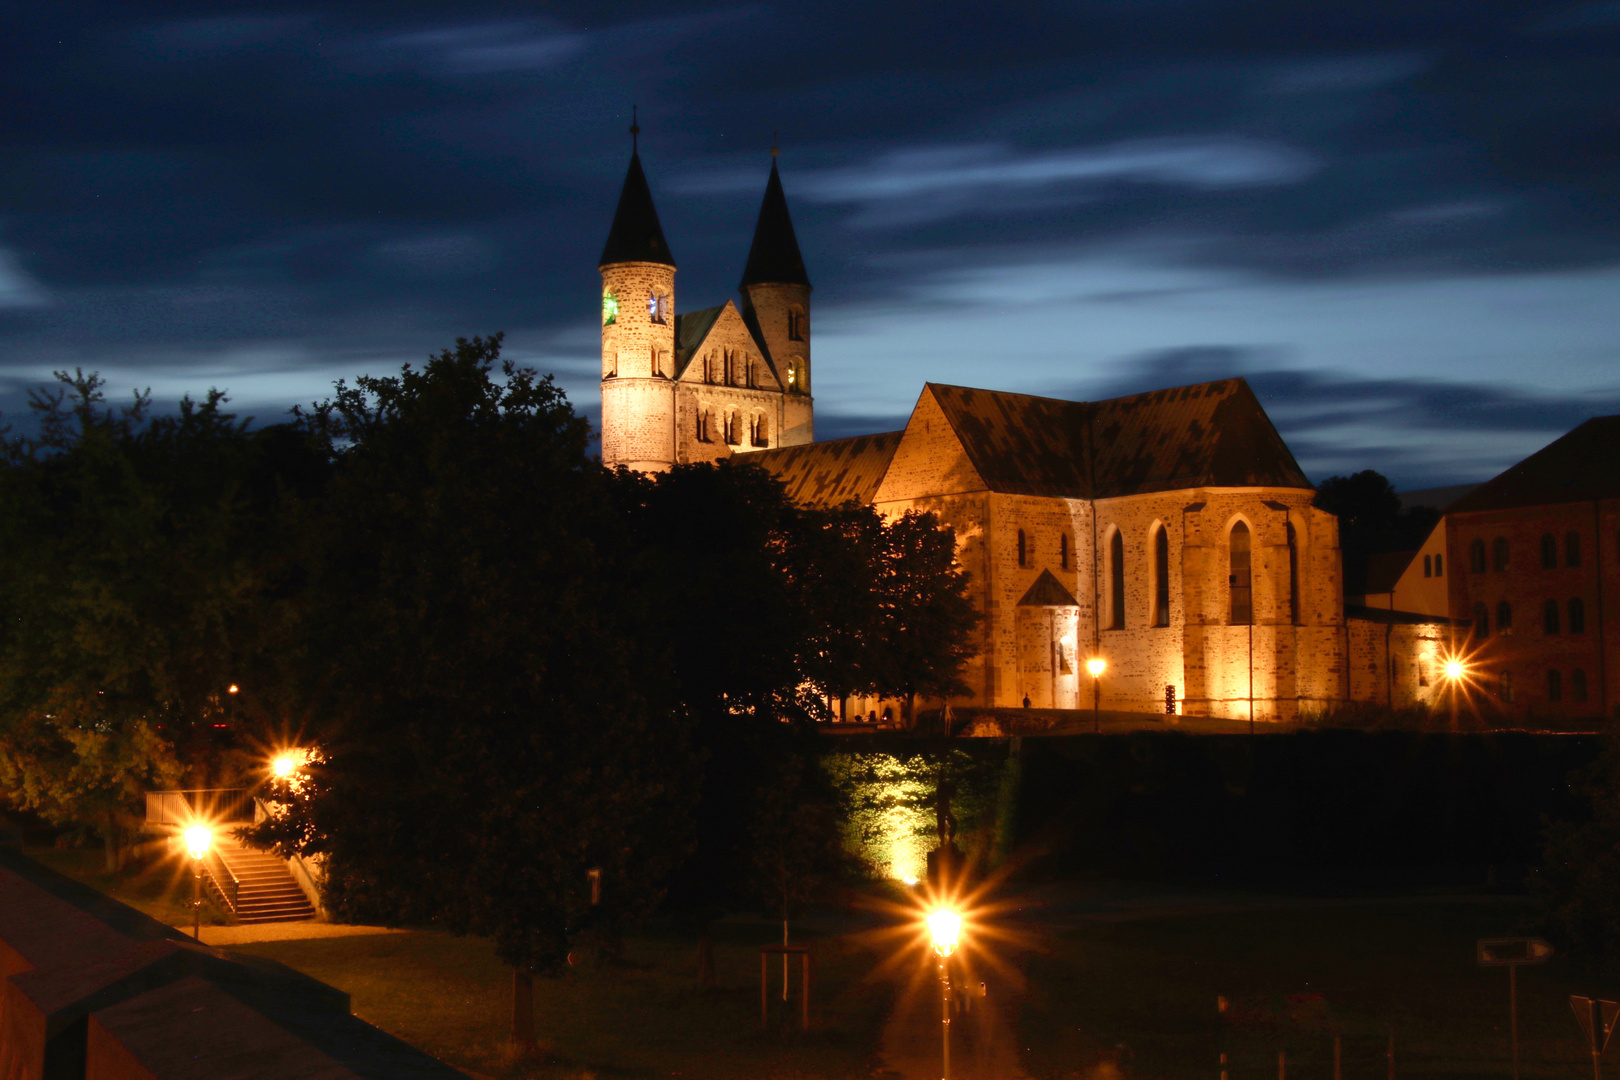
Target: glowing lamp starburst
198	840
945	927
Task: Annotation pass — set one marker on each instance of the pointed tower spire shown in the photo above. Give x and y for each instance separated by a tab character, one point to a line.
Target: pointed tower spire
774	258
636	235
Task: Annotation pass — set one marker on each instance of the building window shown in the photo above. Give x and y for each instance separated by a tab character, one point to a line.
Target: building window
1237	580
703	434
1572	549
1499	554
798	324
708	368
1504	685
731	429
1482	622
1023	549
1439	566
793	377
1555	686
1293	577
1428	567
1549	616
610	308
1063	550
658	307
1161	577
758	435
1476	557
1577	615
1577	685
1116	580
1549	552
1504	618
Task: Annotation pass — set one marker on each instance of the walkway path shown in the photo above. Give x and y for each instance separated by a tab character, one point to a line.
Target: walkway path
287	931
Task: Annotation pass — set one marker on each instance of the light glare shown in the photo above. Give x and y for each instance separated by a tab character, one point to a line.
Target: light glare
198	839
1096	665
945	926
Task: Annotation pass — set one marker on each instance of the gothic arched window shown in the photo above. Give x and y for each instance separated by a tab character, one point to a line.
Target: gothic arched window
1116	580
1504	617
1476	557
1161	577
1549	551
1238	580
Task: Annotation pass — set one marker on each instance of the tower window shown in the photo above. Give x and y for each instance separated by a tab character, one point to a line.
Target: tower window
1476	557
1116	580
610	308
1238	581
1572	549
658	307
1161	577
1023	549
1549	616
1555	686
1577	615
798	323
1499	554
1549	552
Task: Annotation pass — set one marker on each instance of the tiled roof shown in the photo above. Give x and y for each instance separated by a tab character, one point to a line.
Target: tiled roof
1207	435
1580	466
832	472
636	235
1048	592
690	330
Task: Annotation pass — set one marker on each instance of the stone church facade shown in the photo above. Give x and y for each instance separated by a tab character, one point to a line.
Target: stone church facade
1170	534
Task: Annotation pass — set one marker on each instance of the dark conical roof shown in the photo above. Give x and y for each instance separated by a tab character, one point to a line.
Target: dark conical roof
774	257
636	235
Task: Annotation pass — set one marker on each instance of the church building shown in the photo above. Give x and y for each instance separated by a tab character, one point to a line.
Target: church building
1170	535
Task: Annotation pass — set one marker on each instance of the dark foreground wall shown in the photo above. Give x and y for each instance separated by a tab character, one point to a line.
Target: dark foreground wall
1270	805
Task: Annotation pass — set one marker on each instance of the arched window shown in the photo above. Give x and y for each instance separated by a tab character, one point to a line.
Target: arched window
1577	685
1063	550
731	429
1572	549
1504	618
1023	549
1504	685
1577	615
1161	577
1293	576
1499	554
703	425
1476	557
1549	616
1549	551
658	307
1555	686
610	308
1237	548
762	430
798	324
1116	580
1482	621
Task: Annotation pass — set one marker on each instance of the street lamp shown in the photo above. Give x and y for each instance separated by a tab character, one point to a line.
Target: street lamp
1096	666
198	839
1455	672
945	926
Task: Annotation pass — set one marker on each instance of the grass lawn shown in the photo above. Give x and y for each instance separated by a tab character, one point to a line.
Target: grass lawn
160	888
1403	967
644	1016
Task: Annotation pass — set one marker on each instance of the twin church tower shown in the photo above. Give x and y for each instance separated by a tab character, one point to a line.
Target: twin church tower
710	383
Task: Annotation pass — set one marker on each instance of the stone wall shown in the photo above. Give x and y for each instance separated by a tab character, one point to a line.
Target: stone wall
638	358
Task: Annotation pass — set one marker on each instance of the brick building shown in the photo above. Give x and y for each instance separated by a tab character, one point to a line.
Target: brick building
1170	534
1533	563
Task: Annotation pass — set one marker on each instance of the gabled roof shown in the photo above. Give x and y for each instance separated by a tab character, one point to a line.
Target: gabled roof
833	472
1206	435
1048	592
1578	467
774	257
636	235
690	330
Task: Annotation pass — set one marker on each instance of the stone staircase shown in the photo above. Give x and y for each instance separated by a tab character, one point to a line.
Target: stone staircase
266	891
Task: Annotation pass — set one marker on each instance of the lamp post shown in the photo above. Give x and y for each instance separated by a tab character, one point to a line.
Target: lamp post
1096	666
945	926
198	839
1454	676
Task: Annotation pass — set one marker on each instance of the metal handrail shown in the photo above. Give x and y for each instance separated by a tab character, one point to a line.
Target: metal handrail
182	807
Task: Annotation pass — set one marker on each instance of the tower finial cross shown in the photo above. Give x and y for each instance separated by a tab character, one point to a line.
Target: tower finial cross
635	129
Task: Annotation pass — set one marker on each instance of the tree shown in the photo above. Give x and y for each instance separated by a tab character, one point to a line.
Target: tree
1578	884
497	722
132	575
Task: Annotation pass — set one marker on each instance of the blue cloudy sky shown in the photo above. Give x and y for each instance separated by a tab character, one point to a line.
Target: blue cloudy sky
1397	219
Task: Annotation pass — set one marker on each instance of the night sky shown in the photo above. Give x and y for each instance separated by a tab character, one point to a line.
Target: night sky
1398	220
